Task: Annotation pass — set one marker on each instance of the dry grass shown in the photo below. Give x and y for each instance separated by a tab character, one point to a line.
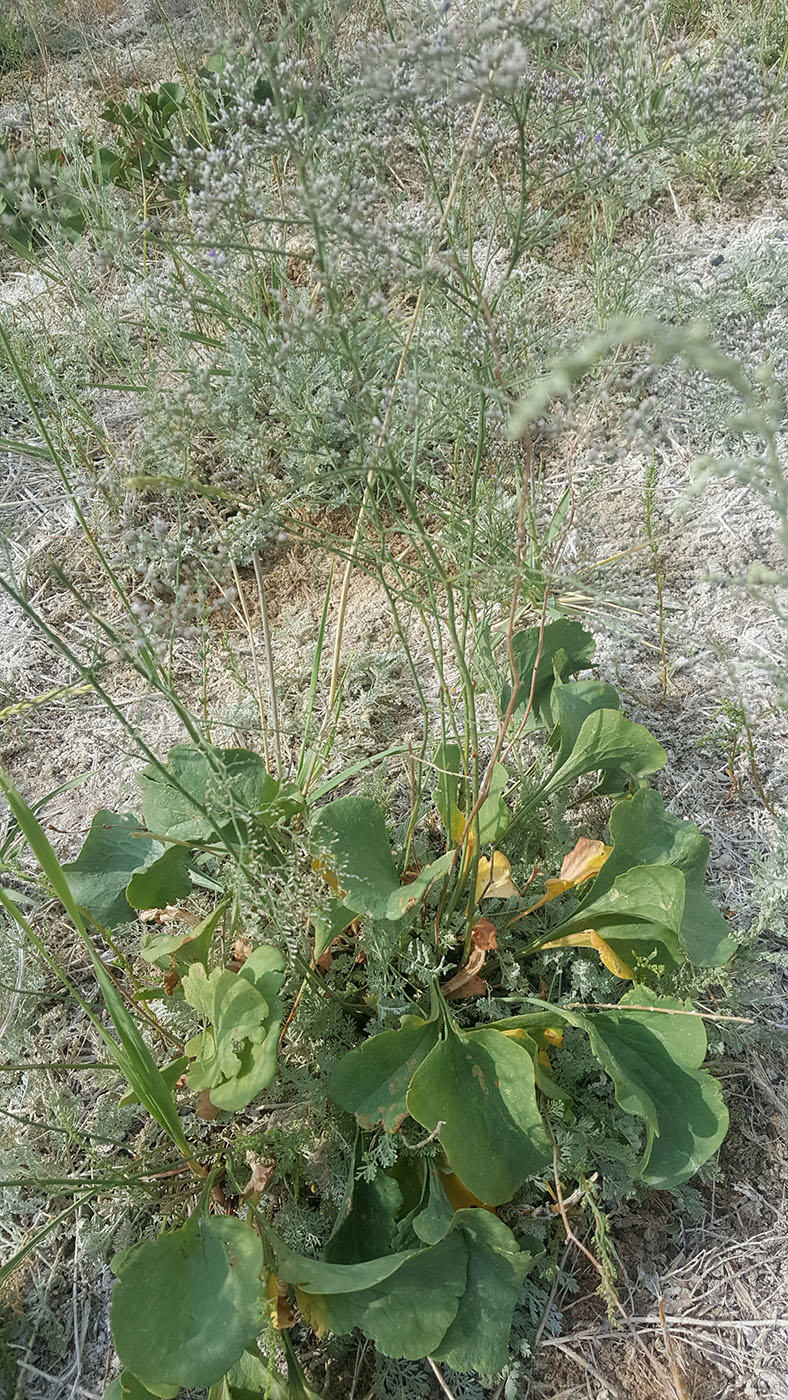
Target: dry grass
718	1325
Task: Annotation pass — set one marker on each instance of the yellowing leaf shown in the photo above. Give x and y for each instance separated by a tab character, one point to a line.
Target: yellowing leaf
314	1310
467	982
494	879
458	1196
279	1308
584	860
550	1034
589	938
457	827
321	866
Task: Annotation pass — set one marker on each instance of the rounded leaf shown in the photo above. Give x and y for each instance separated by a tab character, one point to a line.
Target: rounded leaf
188	1304
480	1087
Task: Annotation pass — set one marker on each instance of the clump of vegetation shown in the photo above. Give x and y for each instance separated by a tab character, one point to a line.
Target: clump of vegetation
417	1257
34	199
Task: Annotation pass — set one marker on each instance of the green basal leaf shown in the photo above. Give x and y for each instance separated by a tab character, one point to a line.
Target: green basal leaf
566	649
162	1392
129	1388
163	882
236	1053
129	1052
187	1305
478	1338
480	1086
406	897
320	1278
177	951
236	1012
613	783
110	855
415	1186
493	816
281	801
176	812
643	833
704	931
654	1058
453	1299
607	740
435	1217
372	1080
530	1021
545	1082
448	763
328	922
654	1061
641	913
214	793
408	1315
573	703
365	1226
251	1378
405	1302
350	836
297	1386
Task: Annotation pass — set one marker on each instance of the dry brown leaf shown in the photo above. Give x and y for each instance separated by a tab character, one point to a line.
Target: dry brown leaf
171	980
457	986
241	950
410	875
473	987
219	1195
467	982
484	935
170	915
203	1107
280	1309
262	1171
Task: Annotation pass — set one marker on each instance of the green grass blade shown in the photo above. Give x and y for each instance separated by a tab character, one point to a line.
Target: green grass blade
300	773
132	1056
